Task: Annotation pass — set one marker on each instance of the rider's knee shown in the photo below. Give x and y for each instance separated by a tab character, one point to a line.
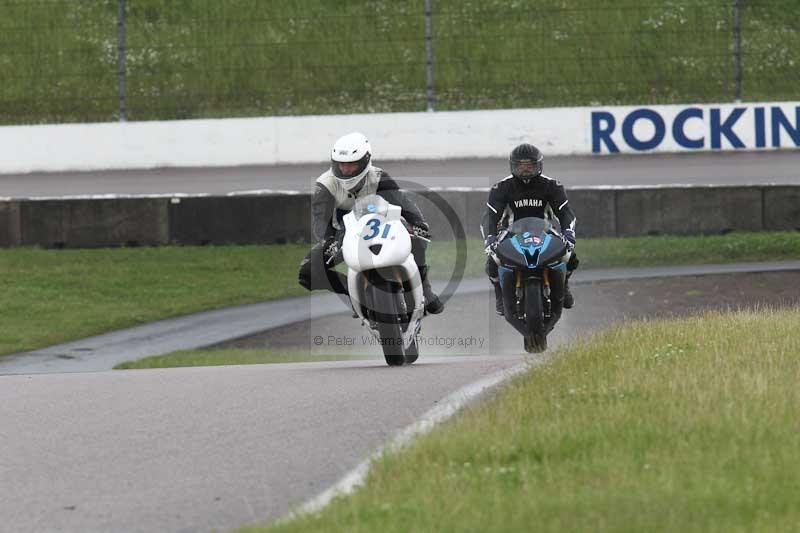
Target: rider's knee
418	248
573	262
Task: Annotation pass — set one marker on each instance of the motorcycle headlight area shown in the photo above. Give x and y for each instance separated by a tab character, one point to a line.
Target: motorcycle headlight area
371	205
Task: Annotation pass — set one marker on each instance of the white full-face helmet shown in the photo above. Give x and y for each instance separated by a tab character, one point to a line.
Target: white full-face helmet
354	151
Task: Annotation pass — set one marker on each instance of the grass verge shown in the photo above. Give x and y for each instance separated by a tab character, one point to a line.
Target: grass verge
232	357
52	296
679	425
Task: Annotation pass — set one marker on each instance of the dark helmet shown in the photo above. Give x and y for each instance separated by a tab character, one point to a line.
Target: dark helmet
526	162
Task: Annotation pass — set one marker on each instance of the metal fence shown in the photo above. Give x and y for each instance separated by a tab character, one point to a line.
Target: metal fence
104	60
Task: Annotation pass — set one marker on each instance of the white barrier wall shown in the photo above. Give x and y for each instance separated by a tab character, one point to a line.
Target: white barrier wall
438	135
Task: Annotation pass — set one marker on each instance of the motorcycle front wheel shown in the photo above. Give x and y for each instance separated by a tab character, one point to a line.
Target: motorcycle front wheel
536	339
386	297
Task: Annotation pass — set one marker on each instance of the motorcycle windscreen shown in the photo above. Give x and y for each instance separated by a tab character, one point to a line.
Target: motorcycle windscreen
535	231
534	226
370	205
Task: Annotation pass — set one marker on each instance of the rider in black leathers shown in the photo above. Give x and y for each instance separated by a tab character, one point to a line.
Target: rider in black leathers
527	193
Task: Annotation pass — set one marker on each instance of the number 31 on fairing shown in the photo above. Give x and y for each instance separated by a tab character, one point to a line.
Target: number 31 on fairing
375	228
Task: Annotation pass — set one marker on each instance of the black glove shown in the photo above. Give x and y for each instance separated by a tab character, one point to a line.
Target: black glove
490	243
421	232
331	249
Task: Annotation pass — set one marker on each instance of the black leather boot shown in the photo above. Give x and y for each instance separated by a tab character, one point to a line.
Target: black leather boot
433	304
498	298
569	301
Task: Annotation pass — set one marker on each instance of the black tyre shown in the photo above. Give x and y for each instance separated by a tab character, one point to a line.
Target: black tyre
536	340
412	352
535	343
392	343
534	308
390	324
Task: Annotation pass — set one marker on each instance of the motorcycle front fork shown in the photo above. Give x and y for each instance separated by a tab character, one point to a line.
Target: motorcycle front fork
518	292
546	293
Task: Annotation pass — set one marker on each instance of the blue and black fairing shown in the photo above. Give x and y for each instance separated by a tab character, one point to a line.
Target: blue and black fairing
529	247
531	243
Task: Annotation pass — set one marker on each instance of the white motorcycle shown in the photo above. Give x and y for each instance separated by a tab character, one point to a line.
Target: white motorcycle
382	277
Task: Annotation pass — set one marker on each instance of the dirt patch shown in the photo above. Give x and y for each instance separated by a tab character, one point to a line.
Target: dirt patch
665	297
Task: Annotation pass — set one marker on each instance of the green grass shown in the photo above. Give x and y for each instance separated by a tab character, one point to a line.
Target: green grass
681	425
206	58
52	296
232	357
666	250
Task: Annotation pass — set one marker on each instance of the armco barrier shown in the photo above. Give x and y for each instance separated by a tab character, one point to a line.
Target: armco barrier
476	205
88	223
9	224
240	219
595	210
264	219
688	211
440	224
782	208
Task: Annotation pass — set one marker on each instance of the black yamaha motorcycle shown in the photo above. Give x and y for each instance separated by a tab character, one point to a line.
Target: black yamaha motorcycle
532	265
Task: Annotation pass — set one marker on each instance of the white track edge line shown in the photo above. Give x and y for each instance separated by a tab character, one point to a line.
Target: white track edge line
446	409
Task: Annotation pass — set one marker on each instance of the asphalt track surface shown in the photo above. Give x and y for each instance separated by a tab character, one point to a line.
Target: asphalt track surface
198	449
730	168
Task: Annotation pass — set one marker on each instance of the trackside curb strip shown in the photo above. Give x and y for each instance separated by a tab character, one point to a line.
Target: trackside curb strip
442	412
